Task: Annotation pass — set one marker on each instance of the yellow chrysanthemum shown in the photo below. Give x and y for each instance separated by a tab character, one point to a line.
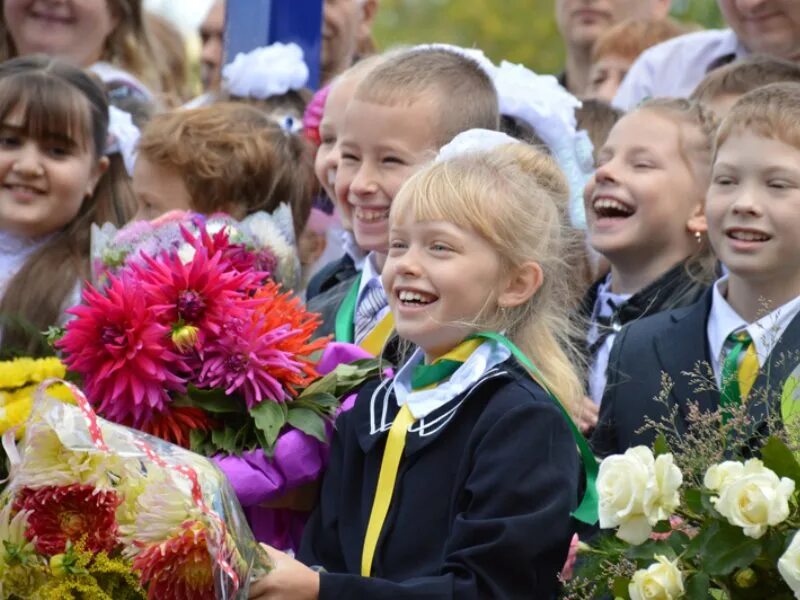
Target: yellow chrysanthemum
25	371
15	406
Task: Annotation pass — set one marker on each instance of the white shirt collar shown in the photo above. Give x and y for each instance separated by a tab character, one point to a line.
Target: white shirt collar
352	249
370	275
765	332
424	402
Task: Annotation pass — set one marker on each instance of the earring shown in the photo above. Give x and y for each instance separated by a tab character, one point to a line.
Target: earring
698	237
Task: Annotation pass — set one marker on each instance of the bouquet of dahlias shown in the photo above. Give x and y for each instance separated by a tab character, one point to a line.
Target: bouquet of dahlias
191	340
97	510
712	512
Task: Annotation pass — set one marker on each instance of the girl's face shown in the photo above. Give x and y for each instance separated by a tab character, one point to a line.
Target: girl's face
327	159
439	278
644	195
44	182
158	190
75	30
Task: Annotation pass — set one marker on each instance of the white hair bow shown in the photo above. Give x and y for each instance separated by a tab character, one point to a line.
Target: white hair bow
265	72
474	140
123	136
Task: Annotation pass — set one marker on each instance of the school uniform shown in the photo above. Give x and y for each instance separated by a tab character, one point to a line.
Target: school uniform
692	340
481	507
340	270
605	313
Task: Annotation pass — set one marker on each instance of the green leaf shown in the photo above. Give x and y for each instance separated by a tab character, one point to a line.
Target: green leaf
620	588
777	456
662	527
697	587
224	439
697	547
661	446
729	549
694	500
308	422
649	549
678	541
214	401
322	404
269	417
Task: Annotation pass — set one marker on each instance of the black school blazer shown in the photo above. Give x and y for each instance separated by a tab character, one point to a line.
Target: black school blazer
674	342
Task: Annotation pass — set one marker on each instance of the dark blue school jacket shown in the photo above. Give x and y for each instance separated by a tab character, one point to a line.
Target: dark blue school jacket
482	503
674	343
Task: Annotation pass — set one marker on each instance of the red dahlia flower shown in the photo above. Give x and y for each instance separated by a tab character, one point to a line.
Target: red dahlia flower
179	568
69	513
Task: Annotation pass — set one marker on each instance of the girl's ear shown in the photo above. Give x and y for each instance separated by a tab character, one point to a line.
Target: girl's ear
697	221
521	285
100	167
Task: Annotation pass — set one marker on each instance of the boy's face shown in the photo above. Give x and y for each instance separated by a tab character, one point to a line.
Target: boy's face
158	190
753	209
767	26
381	147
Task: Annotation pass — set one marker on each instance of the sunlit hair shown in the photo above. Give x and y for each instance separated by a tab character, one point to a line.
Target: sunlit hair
629	38
231	155
745	75
772	111
464	95
128	46
57	101
514	197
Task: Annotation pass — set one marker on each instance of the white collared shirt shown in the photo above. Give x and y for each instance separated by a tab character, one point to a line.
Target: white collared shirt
352	249
675	67
422	403
765	332
599	362
371	277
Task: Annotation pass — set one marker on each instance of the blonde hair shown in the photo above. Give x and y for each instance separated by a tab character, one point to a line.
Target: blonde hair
233	154
512	196
772	111
464	93
745	75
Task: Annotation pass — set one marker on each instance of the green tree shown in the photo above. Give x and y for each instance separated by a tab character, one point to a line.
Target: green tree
521	31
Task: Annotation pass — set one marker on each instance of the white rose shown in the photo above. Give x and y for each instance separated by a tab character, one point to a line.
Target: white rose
636	491
719	475
754	500
789	565
660	581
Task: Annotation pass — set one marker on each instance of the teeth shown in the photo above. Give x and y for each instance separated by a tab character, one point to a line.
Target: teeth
749	236
370	215
409	296
611	204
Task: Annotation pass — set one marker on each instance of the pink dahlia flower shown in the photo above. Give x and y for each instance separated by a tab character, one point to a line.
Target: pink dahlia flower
123	353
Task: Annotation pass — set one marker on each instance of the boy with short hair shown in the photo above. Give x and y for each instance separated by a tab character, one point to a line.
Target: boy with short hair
402	112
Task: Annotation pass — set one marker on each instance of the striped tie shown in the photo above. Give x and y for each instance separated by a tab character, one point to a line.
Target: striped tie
739	369
373	302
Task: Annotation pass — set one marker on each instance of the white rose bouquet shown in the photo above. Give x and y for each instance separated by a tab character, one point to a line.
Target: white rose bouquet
730	533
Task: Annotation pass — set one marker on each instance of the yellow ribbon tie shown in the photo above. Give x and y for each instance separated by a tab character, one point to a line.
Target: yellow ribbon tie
748	371
395	443
376	339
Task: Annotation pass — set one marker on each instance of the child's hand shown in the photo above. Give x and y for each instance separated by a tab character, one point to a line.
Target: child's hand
289	580
588	412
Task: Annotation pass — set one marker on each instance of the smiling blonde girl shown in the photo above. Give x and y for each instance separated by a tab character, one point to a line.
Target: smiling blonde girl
473	459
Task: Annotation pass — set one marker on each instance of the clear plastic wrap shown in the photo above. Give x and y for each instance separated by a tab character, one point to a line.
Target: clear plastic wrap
95	509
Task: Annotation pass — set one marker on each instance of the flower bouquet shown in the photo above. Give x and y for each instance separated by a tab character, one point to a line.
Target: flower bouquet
19	378
97	510
698	516
192	341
